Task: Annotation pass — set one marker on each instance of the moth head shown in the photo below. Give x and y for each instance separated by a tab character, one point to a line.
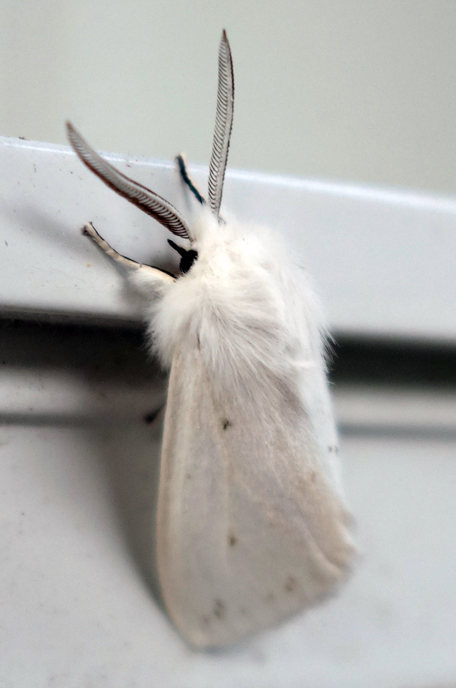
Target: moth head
187	257
149	201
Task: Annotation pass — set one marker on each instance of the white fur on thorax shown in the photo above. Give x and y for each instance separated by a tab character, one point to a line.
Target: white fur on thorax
244	301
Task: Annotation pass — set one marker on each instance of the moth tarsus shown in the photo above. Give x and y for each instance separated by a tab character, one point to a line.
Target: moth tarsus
149	418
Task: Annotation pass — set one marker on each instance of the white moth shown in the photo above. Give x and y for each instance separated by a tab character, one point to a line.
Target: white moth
252	523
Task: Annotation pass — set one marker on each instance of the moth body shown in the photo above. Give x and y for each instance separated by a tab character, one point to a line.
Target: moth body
252	522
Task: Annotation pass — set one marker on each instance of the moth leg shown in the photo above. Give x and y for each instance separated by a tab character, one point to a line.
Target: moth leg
90	231
144	277
151	417
183	170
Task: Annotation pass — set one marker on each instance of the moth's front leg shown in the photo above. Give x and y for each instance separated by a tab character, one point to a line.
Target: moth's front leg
90	231
145	278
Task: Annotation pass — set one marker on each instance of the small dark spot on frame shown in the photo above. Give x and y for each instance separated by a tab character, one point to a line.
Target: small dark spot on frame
226	424
270	598
205	619
232	539
243	611
188	476
219	609
290	584
312	476
334	449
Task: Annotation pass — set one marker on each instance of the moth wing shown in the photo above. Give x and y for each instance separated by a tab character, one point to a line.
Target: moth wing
250	529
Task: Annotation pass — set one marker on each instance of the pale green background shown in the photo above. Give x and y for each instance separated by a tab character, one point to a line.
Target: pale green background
351	90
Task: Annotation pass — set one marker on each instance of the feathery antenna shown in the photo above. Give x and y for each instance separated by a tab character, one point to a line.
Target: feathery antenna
223	125
147	200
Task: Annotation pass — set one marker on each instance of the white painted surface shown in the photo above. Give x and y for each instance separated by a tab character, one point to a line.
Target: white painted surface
77	539
358	90
78	479
397	408
78	463
383	260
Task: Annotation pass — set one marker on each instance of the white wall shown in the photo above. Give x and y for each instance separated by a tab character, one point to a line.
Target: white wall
351	90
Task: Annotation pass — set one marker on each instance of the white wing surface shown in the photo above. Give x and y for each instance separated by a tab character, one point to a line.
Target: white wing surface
250	528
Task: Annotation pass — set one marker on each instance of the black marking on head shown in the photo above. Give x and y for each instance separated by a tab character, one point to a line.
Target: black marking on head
226	423
187	257
219	609
232	539
290	584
